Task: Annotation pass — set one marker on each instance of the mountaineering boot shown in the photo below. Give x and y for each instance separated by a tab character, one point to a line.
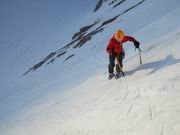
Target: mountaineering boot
111	75
117	75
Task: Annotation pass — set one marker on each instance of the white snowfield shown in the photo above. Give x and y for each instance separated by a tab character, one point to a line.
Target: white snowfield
85	102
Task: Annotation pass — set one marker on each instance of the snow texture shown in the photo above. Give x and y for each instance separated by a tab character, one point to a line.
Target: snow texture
75	97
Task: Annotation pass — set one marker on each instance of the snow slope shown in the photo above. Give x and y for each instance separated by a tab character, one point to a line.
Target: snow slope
146	101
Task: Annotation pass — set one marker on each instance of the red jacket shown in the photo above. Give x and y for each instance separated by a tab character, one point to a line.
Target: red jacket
116	47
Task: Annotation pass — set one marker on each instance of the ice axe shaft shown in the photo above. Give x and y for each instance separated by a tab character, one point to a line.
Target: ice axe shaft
120	67
140	58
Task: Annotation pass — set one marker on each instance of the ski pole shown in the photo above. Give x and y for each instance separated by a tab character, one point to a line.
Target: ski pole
120	67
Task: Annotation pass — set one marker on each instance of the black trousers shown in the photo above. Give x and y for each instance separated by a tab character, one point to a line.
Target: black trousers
112	62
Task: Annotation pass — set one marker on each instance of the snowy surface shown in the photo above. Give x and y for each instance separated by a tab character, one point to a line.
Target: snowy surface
76	98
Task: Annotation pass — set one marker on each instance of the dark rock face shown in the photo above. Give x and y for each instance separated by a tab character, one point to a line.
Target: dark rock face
108	21
70	56
83	31
119	3
98	6
87	37
38	65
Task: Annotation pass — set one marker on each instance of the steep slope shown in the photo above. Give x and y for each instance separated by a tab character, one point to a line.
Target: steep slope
75	97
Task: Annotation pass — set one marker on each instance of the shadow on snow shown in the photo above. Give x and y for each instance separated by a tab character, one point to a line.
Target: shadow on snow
156	65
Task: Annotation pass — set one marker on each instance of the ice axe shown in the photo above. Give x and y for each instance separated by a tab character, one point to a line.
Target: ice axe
140	58
120	67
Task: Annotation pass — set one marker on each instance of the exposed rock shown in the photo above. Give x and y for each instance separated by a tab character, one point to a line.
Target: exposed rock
72	55
60	54
112	2
119	3
38	65
98	6
87	37
83	30
108	21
